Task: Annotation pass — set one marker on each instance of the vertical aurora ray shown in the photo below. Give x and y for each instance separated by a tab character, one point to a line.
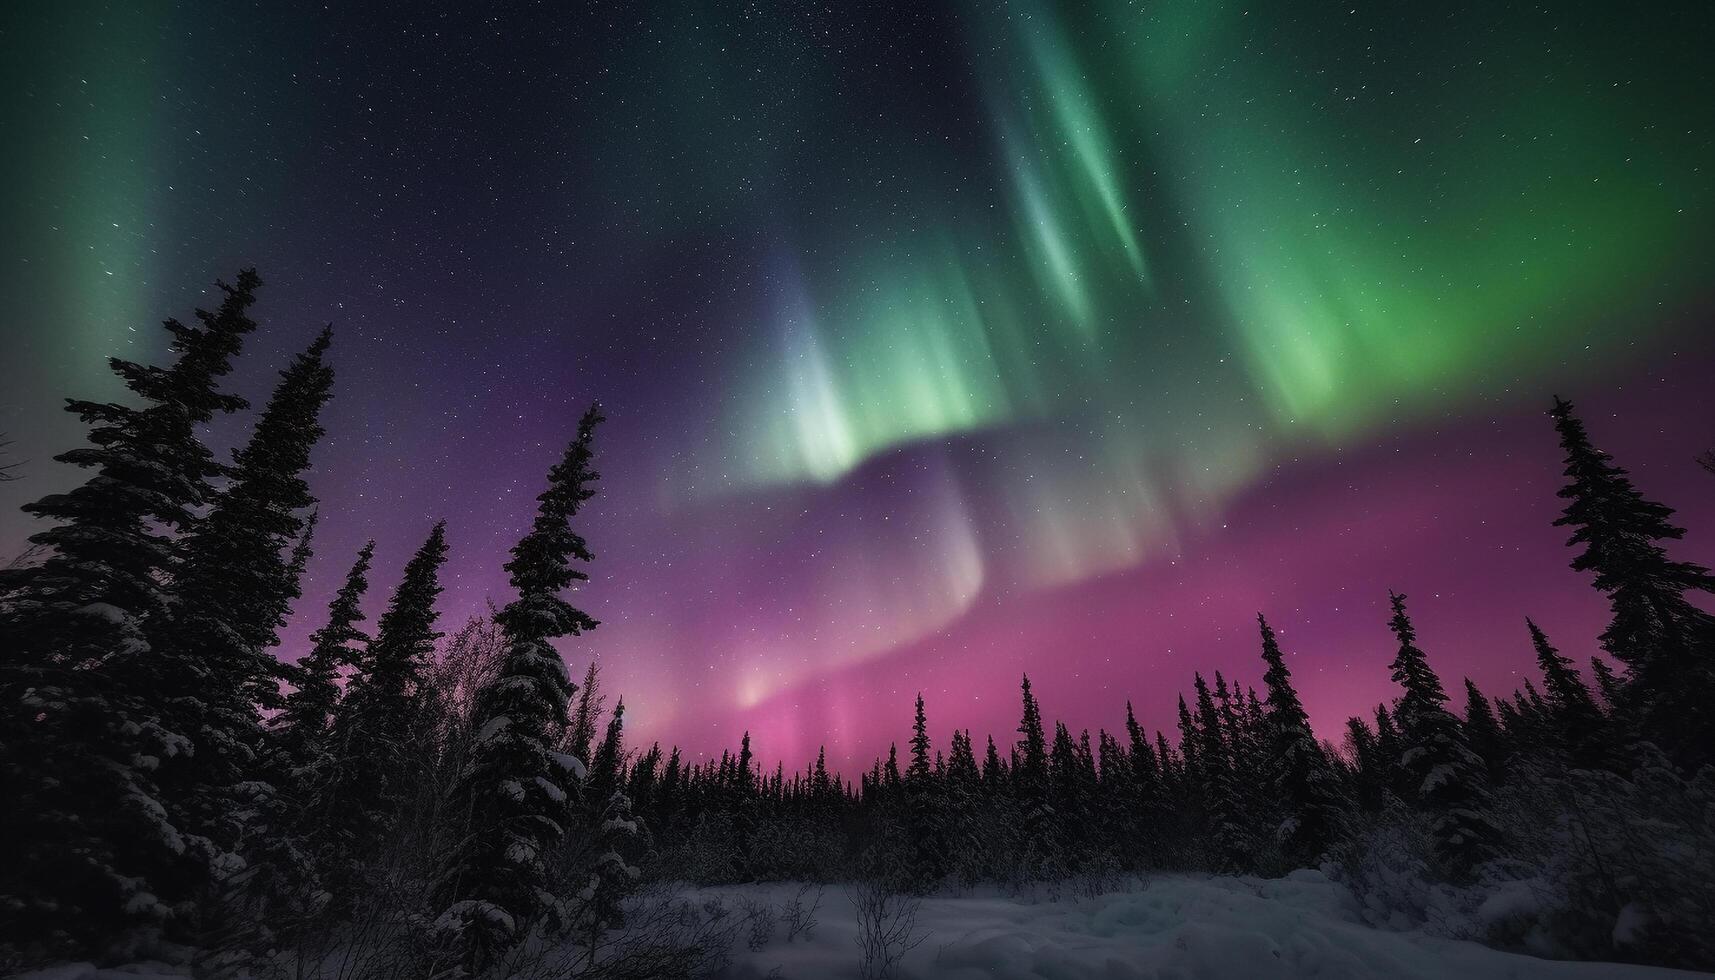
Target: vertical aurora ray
93	225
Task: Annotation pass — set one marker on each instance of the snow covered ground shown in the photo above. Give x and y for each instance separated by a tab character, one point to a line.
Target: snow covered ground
1171	928
1168	928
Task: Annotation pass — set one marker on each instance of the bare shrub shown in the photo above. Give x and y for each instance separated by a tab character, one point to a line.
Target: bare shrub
887	927
758	919
800	914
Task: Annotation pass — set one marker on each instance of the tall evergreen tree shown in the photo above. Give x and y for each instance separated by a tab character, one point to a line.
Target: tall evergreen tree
375	723
614	833
1606	682
1390	747
1447	774
495	882
110	549
237	578
1233	850
994	772
925	835
303	723
1666	643
1314	801
1149	793
580	731
235	584
89	696
1368	782
1031	773
1575	720
919	767
1483	732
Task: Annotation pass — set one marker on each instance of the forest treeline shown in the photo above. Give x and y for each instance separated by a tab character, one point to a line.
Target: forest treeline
412	804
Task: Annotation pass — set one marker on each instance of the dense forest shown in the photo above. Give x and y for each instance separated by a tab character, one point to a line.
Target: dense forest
407	800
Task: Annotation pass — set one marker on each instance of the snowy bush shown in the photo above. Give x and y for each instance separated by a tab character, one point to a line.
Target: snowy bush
1626	867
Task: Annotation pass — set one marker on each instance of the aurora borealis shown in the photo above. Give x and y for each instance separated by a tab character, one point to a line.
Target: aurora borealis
938	343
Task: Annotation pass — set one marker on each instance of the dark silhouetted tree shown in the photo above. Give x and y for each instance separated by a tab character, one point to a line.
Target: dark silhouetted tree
89	697
1666	643
495	883
1306	785
1448	776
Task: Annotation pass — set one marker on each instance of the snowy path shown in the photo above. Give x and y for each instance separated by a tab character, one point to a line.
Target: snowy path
1172	929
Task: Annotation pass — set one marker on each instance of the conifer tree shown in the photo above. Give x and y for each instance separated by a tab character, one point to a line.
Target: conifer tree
1666	643
303	723
99	588
1117	800
1448	775
236	579
993	771
1190	747
1572	713
1149	791
919	767
1389	748
743	777
924	836
1031	773
1369	782
88	696
614	834
580	731
1483	732
375	723
1313	799
235	583
495	883
1233	849
1606	683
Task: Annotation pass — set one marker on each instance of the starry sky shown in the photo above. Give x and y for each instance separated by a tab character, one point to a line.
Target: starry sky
940	342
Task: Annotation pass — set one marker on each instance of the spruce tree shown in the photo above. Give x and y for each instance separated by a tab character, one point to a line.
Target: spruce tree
1368	781
1304	782
1483	732
924	835
613	835
919	767
1572	715
235	584
994	772
303	724
495	884
1389	748
1606	682
1666	643
580	731
1149	822
98	591
375	723
236	580
1031	789
88	695
1447	774
1232	848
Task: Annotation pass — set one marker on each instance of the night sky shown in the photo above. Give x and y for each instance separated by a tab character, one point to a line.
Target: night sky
939	342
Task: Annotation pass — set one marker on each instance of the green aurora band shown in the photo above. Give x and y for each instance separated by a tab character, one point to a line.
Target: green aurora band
1214	203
